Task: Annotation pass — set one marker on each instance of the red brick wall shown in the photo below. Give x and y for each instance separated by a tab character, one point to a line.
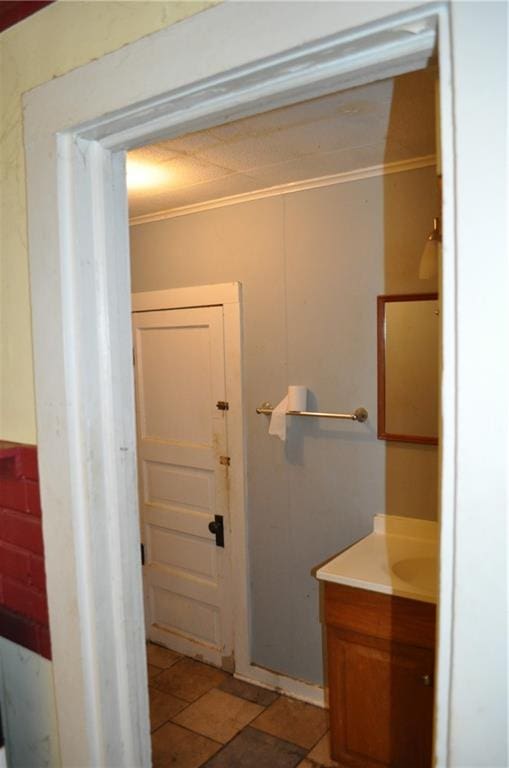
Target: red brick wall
23	605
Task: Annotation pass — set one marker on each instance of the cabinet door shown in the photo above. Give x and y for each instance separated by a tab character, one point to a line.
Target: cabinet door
381	704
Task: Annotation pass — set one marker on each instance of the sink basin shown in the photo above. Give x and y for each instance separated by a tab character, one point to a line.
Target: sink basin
420	572
399	558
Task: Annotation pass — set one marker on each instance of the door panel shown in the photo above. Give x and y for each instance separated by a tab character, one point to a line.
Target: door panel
179	372
163	417
177	454
187	553
177	519
190	486
176	614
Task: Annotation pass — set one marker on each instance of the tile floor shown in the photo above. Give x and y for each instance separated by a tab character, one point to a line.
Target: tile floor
203	717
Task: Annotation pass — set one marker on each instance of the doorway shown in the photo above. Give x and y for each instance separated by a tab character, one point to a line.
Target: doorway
347	220
99	562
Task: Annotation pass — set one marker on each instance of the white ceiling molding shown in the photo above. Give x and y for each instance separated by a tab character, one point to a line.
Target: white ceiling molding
380	123
345	177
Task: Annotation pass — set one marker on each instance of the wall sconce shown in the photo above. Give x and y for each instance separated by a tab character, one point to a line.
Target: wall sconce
428	266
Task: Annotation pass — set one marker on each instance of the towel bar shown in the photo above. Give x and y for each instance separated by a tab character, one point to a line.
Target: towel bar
360	414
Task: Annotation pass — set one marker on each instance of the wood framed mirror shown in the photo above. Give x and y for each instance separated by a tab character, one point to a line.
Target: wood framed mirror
408	367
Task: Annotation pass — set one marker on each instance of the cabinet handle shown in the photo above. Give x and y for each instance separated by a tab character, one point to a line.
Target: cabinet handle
427	680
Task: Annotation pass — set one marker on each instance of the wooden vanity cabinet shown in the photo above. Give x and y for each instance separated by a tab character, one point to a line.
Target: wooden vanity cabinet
380	657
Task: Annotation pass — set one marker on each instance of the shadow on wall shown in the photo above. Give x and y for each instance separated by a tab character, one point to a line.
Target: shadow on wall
411	471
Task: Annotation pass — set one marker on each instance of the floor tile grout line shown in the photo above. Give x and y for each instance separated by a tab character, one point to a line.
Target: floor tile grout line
250	723
309	749
187	704
195	733
271	735
286	741
174	696
247	725
163	669
223	745
321	737
217	687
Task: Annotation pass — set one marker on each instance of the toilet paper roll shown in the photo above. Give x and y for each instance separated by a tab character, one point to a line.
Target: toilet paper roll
297	398
277	424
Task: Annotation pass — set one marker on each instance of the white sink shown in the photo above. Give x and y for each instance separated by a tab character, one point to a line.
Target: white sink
420	572
398	558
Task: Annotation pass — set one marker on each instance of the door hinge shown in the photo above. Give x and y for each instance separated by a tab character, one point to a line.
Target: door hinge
223	405
142	554
134	357
225	461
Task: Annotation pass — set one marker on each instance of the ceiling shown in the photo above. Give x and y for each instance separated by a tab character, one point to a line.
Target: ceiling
384	122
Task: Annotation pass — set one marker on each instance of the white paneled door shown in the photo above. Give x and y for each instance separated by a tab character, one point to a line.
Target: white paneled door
183	479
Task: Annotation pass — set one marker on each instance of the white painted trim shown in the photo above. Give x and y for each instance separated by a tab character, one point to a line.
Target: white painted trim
397	45
449	398
180	298
475	491
237	447
289	686
229	296
224	63
286	189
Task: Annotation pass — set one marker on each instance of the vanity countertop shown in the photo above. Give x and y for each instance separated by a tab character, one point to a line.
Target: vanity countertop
398	558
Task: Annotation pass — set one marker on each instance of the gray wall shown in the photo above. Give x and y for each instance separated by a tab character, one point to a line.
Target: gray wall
311	265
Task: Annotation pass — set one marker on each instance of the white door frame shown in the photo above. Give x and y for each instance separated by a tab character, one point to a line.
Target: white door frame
230	61
229	297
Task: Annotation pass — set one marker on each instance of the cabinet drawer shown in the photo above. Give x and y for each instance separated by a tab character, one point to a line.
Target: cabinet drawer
386	617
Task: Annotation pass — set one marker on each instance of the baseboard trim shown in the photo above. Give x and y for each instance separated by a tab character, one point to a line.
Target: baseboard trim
289	686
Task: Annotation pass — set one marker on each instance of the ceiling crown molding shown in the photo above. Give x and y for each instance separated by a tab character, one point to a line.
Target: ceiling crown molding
384	169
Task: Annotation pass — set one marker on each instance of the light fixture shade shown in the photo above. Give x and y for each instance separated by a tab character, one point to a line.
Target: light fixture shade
146	176
428	266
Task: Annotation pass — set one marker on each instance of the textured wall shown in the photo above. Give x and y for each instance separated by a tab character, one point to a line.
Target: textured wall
48	44
311	265
55	40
